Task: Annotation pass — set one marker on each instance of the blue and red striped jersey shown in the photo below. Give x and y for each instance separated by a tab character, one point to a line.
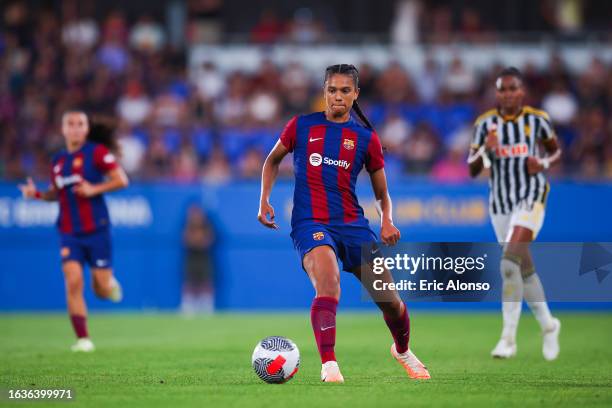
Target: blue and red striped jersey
327	158
81	214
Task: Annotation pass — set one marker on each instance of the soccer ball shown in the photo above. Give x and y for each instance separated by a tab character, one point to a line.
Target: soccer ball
276	359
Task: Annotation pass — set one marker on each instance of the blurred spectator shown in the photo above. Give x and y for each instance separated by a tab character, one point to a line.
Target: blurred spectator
198	281
158	159
169	109
591	85
264	108
304	28
451	168
430	80
558	70
205	21
560	104
268	29
231	109
147	35
404	29
591	147
251	164
17	21
132	151
112	52
217	169
394	133
209	82
295	84
134	106
186	165
460	81
367	81
394	85
437	25
82	34
470	28
421	150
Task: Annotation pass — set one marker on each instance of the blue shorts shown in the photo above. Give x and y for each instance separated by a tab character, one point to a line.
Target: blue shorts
93	249
346	241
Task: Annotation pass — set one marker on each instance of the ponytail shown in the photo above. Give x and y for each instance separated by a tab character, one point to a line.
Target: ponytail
362	116
102	131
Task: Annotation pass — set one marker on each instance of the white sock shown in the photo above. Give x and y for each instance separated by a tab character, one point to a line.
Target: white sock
512	298
536	299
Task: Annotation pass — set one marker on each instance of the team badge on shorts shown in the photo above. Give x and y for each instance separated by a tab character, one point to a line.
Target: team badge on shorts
78	162
348	144
64	252
317	236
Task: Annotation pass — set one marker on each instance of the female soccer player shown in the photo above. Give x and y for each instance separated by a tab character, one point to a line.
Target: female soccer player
80	175
506	139
329	150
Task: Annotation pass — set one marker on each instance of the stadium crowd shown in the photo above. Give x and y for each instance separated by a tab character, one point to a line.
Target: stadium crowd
184	125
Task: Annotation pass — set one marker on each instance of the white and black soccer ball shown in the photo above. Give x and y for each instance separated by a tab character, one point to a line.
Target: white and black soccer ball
276	359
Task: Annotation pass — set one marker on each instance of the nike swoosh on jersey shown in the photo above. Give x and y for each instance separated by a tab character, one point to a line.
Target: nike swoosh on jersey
315	139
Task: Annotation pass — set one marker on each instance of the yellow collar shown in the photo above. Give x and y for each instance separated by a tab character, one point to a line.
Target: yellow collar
507	118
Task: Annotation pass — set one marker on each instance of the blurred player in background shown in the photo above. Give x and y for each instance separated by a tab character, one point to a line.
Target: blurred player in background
80	175
329	150
198	240
506	140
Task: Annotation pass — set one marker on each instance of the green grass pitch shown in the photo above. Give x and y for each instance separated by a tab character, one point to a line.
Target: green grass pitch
166	360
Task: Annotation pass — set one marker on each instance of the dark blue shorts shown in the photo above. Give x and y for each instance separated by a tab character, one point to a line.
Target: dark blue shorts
93	249
346	241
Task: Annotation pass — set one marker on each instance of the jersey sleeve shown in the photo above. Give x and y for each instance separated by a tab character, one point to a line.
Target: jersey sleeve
52	172
479	134
104	160
288	136
374	158
547	131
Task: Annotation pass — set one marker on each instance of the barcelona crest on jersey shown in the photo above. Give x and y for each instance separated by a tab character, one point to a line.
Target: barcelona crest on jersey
317	236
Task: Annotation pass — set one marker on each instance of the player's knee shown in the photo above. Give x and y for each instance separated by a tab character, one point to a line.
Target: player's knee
101	288
510	266
98	291
74	286
329	286
526	272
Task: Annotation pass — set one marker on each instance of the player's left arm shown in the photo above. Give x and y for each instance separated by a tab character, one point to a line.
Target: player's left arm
375	165
389	234
116	178
551	145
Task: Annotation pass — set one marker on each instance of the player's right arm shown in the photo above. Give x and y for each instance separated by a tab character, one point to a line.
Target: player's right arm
29	191
484	141
268	177
285	145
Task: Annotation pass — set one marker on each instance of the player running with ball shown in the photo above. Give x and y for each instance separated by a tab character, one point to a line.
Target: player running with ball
506	140
329	150
80	175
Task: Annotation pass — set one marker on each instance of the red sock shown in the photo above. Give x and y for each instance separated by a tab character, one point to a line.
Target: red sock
400	330
79	324
323	319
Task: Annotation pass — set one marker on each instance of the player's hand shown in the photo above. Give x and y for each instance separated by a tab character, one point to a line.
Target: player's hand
85	189
491	141
266	215
534	166
28	190
389	234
